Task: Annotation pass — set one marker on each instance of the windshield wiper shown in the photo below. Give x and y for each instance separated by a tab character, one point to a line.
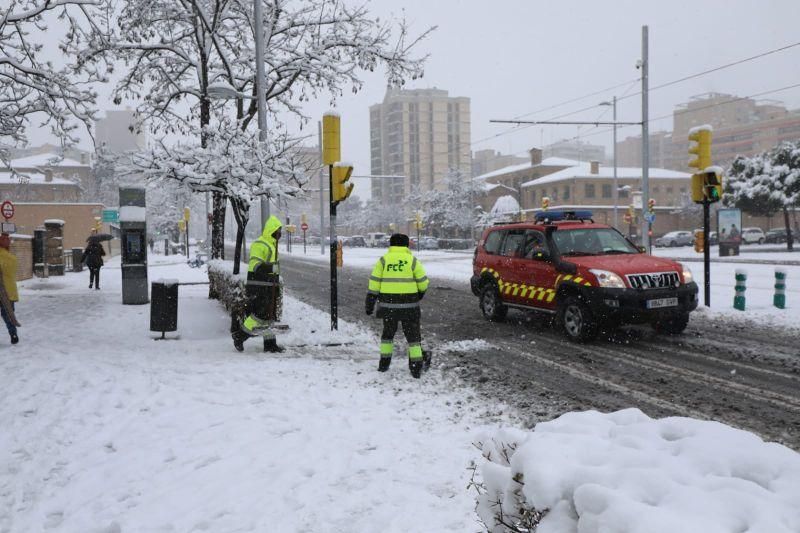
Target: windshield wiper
615	252
577	252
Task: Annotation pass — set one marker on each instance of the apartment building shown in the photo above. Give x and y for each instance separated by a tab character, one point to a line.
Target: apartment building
485	161
417	135
742	126
576	150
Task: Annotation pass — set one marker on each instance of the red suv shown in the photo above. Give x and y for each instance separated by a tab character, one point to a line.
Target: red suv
587	274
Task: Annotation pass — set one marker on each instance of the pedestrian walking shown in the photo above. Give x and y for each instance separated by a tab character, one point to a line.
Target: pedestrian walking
263	289
397	284
152	244
93	258
8	295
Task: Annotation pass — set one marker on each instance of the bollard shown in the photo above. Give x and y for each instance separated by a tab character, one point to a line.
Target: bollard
739	300
779	300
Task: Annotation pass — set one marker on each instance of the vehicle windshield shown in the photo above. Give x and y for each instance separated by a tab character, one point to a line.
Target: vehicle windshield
591	241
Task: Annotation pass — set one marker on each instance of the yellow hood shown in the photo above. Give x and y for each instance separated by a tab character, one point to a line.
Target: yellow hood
272	225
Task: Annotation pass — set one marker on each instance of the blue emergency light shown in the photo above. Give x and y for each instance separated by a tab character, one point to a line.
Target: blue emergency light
555	216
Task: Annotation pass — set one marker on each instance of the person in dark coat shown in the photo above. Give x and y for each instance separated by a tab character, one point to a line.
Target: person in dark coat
93	258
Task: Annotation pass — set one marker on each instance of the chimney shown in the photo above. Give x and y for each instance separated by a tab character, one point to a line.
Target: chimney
594	167
536	156
48	175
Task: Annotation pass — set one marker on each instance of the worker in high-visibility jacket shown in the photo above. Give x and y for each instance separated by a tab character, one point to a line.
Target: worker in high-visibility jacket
398	283
263	288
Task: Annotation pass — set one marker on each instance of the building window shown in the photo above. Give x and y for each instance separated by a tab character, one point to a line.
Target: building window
533	197
656	189
588	190
683	190
623	193
670	191
606	190
566	192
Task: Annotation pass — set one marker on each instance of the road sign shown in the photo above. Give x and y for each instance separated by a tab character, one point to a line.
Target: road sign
650	217
8	209
304	226
110	215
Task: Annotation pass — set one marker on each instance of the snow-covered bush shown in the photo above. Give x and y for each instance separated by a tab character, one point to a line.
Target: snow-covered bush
229	289
626	472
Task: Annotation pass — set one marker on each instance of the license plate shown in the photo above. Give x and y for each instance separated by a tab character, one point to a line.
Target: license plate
662	302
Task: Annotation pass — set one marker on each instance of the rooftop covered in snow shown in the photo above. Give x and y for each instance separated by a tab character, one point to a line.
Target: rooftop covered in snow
45	160
584	170
547	162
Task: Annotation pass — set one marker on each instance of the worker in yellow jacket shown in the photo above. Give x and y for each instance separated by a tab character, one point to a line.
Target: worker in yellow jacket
397	284
263	288
8	271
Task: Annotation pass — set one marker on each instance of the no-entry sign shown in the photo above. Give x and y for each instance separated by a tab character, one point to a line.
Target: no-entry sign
304	226
7	209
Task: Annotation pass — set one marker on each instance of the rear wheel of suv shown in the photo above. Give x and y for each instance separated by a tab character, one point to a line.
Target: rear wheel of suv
761	241
491	306
577	320
672	325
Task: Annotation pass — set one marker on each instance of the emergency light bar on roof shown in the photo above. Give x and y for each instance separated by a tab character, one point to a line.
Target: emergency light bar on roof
555	216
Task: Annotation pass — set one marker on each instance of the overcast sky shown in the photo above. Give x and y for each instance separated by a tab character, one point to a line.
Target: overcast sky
513	57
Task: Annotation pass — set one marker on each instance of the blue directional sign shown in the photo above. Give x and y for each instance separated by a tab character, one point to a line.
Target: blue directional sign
650	217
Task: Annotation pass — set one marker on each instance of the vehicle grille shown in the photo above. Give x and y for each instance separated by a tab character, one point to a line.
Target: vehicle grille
658	280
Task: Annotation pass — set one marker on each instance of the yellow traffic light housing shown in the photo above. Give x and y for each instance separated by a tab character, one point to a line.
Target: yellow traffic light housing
699	241
331	138
186	213
341	188
697	188
701	136
712	185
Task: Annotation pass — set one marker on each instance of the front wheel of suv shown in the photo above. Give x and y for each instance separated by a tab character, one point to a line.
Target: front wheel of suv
577	321
491	306
673	325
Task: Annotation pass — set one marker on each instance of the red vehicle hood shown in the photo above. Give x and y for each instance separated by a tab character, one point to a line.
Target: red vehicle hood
626	264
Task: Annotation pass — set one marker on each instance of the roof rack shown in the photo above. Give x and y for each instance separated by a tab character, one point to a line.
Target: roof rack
555	216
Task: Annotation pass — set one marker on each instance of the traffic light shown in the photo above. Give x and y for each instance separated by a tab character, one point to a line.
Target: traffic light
651	205
331	138
186	213
418	220
181	225
341	188
545	203
303	219
712	185
699	241
701	149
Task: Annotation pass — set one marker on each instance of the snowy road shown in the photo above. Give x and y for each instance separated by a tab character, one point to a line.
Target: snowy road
742	373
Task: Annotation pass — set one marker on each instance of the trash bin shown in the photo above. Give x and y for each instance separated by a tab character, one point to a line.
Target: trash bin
77	254
164	306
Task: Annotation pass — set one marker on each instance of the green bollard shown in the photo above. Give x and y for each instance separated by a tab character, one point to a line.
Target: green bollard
738	300
779	300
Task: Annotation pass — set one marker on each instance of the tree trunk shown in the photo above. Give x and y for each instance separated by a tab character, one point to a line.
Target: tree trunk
218	226
789	236
241	212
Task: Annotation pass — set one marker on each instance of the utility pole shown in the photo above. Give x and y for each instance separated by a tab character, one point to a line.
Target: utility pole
645	138
261	94
321	193
616	184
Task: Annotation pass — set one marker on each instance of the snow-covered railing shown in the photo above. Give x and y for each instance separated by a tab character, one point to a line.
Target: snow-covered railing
625	471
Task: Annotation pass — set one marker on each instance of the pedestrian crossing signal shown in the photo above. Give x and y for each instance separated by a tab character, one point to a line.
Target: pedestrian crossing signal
712	186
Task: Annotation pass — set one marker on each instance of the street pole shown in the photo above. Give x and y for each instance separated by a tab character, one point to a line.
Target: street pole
321	194
332	223
616	185
208	226
261	94
645	137
706	253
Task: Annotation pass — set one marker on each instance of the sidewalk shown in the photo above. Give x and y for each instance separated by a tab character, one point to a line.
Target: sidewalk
105	429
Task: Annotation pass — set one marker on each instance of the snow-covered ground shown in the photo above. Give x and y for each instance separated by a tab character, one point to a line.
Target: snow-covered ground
625	472
457	266
106	430
749	252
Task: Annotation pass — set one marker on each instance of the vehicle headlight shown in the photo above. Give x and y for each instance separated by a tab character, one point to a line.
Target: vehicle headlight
687	274
608	279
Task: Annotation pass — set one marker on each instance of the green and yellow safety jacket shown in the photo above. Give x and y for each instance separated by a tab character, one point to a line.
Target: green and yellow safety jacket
398	282
264	250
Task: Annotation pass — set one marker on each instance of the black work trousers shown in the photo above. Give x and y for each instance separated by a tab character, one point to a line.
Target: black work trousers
411	329
94	277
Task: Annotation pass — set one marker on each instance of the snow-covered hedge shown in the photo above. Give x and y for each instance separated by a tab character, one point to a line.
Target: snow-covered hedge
626	472
227	287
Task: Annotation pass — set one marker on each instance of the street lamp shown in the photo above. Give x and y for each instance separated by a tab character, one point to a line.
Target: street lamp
613	104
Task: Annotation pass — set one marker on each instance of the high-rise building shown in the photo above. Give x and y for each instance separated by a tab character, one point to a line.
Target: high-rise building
118	132
418	135
484	161
742	126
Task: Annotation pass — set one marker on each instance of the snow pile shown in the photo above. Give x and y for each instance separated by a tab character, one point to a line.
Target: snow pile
625	472
467	345
505	205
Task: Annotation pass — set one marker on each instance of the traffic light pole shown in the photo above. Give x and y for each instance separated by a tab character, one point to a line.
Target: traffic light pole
334	273
706	253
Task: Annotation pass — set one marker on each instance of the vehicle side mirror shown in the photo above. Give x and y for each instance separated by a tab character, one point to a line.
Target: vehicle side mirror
642	249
